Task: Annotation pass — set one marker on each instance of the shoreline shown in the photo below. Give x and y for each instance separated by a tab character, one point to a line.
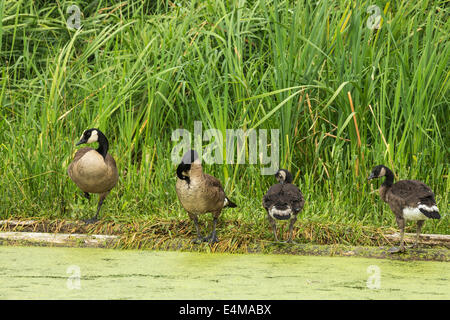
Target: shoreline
67	234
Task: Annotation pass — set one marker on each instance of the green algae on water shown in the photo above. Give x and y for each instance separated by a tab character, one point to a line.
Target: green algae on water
52	273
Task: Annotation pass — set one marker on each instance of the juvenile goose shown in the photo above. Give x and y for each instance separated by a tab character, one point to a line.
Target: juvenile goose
408	199
200	193
283	201
94	170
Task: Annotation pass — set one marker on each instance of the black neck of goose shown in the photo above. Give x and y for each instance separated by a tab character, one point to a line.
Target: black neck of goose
289	178
180	169
103	145
389	178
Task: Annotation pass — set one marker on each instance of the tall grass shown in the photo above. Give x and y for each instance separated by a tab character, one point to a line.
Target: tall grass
344	97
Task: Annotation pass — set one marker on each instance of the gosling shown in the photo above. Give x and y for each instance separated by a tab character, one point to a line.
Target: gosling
283	201
409	200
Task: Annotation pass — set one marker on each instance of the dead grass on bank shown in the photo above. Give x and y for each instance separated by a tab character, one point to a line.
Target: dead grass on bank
235	236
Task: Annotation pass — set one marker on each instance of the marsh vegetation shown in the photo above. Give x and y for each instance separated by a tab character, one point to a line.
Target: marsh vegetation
344	97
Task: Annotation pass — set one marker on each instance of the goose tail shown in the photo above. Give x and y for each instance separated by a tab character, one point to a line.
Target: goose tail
430	211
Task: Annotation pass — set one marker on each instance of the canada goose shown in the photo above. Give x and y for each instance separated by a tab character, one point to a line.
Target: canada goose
94	170
283	201
200	193
408	199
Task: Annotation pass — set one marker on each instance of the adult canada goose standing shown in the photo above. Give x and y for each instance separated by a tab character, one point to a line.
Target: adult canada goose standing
94	170
283	201
200	193
408	200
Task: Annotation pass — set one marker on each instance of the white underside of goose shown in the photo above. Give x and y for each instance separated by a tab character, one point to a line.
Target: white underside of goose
415	213
280	214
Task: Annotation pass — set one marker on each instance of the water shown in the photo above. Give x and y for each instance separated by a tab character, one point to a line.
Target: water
52	273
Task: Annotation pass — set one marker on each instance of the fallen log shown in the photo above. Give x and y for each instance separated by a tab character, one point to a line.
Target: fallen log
17	223
74	239
426	239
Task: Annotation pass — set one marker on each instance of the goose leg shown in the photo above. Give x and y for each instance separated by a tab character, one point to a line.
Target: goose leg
213	236
199	238
401	225
291	228
402	242
273	225
419	228
100	203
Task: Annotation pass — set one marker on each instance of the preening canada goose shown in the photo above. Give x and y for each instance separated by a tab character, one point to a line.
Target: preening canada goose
283	201
94	170
408	199
200	193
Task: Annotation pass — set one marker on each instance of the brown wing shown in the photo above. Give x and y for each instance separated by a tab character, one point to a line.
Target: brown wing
295	195
214	189
271	195
111	163
412	192
286	193
213	182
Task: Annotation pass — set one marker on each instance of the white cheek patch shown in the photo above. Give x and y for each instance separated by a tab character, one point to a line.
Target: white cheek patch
93	137
283	175
382	172
413	214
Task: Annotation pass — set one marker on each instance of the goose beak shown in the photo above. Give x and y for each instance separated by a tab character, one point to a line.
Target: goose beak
80	142
372	176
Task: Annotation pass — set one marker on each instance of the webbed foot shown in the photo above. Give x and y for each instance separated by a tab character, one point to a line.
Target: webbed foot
211	239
